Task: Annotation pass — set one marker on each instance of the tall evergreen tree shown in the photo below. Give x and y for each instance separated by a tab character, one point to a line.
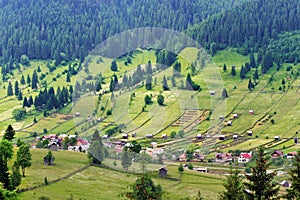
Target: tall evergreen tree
10	91
233	72
17	88
149	82
224	67
20	96
16	177
25	102
9	133
28	79
250	85
224	94
260	184
165	84
294	192
114	66
149	68
68	78
34	80
189	83
242	72
234	188
252	61
22	81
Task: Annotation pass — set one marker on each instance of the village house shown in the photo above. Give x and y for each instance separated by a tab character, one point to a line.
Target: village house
276	154
291	155
245	157
223	157
251	112
235	116
285	184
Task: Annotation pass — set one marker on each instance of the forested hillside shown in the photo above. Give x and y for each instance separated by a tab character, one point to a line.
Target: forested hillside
250	25
65	29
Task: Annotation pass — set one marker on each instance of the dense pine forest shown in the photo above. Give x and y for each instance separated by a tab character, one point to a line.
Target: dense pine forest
63	30
249	26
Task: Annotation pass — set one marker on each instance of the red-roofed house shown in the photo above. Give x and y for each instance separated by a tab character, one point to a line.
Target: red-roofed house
245	157
277	154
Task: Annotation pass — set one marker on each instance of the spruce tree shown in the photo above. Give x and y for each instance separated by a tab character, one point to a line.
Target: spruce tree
9	133
224	67
234	188
17	88
165	84
294	192
20	96
189	83
149	82
252	61
224	94
114	66
260	184
28	80
22	81
25	102
34	80
16	177
233	72
68	78
10	89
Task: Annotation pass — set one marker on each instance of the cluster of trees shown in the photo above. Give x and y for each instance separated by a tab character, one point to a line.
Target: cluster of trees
60	35
11	179
47	99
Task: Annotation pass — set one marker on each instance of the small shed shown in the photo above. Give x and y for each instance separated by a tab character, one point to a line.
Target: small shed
277	138
53	146
105	137
249	133
235	137
198	136
133	134
229	123
164	136
162	172
125	136
235	116
99	119
296	141
212	92
149	136
251	112
222	137
77	114
285	184
202	170
221	116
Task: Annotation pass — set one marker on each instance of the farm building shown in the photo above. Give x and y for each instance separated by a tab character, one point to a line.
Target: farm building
53	146
296	141
198	136
212	92
202	170
164	136
133	135
291	155
162	172
249	133
235	116
277	153
251	112
285	184
277	138
223	157
125	136
245	157
235	137
222	137
229	123
221	116
149	135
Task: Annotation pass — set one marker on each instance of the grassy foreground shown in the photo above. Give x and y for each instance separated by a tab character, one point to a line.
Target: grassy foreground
98	183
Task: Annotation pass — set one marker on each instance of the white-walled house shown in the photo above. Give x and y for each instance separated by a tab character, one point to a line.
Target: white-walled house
245	157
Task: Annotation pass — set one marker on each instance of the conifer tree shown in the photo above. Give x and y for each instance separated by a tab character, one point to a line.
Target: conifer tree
17	88
260	184
10	89
234	188
22	81
165	84
294	192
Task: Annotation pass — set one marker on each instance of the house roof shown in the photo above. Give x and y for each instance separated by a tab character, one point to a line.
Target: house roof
293	153
278	152
246	155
